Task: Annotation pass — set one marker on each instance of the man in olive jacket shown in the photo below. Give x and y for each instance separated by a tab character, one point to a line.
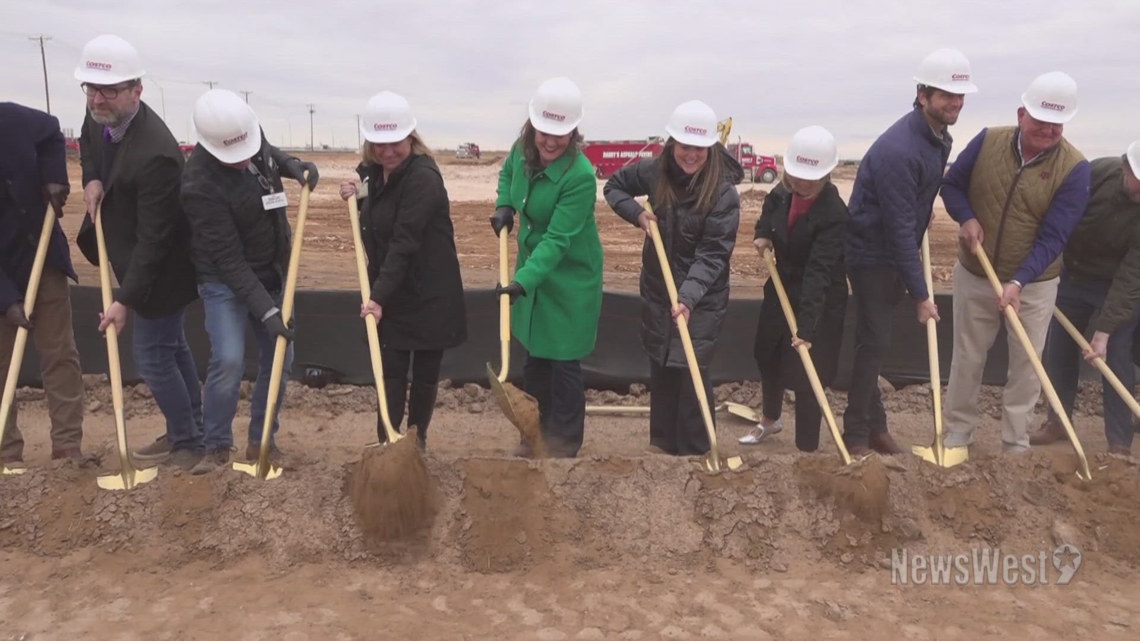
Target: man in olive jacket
1101	276
1017	192
131	168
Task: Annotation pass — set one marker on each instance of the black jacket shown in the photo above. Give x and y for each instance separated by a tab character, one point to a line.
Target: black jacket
144	225
236	241
698	247
32	154
810	263
405	224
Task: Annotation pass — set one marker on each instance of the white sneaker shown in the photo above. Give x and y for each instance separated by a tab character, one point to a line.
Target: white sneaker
761	432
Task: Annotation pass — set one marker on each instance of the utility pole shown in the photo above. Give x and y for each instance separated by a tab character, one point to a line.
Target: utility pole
43	60
210	83
312	108
246	95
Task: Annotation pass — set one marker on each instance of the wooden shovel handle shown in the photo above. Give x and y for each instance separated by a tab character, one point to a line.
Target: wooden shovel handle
1098	362
504	307
932	354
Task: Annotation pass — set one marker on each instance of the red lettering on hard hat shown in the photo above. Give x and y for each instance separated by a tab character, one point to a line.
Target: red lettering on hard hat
700	131
102	66
384	126
553	116
959	76
807	161
236	139
1045	104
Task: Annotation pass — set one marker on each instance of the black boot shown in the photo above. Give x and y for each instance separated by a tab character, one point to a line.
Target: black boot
395	393
421	405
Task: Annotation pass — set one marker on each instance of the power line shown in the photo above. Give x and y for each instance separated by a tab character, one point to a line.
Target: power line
43	59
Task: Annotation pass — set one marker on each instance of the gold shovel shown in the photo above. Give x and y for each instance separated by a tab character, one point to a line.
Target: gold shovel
1098	362
128	476
520	408
22	333
711	462
805	356
937	453
261	468
370	327
1050	393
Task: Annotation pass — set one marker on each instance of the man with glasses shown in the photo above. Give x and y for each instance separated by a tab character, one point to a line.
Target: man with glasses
131	175
1018	192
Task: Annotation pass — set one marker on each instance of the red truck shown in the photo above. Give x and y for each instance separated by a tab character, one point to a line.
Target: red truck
757	168
608	156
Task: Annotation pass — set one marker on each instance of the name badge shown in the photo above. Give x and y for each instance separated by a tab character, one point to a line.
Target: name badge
273	201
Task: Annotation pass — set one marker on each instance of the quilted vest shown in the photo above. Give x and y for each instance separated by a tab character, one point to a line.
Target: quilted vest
1010	201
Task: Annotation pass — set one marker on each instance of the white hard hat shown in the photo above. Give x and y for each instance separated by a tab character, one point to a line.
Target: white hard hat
108	60
693	123
1051	97
556	108
1133	156
948	70
811	154
387	118
226	126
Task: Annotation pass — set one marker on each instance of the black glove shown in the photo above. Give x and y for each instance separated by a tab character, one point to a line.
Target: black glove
276	327
514	290
15	315
503	217
56	194
296	168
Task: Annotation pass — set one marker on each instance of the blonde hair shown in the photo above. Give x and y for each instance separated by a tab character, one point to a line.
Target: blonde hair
419	148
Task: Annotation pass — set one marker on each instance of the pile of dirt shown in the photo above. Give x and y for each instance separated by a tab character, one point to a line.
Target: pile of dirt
508	514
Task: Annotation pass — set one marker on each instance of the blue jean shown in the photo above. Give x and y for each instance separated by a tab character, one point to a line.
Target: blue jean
1079	301
226	319
165	363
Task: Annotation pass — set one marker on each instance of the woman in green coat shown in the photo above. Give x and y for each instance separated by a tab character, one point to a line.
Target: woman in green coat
556	292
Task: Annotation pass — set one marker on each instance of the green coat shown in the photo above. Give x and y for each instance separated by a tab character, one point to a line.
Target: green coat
559	256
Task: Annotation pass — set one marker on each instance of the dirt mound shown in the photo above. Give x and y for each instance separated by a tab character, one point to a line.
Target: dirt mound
393	495
501	515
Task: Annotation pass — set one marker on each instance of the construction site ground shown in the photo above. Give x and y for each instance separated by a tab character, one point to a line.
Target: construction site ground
620	543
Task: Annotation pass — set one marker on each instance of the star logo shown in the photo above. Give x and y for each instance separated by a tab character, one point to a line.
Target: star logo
1066	560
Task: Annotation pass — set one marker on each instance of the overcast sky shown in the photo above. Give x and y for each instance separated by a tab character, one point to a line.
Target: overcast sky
469	67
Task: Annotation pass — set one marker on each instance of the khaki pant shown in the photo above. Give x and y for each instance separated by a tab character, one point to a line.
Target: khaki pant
976	324
59	364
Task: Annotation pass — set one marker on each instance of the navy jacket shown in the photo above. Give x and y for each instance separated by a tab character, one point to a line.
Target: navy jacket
893	199
32	153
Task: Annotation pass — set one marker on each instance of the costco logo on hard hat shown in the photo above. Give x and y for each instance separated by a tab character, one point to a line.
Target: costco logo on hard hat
1052	106
385	126
803	160
700	131
549	115
963	77
101	66
235	140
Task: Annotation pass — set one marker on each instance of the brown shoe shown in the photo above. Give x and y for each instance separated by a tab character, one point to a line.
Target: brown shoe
1122	450
1050	431
858	451
75	455
884	443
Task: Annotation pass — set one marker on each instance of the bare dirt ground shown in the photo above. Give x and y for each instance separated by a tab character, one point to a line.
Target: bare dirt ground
620	543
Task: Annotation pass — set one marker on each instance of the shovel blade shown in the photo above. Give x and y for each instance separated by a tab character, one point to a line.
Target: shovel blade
12	471
743	411
925	453
252	470
952	456
127	479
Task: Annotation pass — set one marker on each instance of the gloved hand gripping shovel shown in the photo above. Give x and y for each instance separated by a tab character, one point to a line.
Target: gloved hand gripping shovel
261	468
520	408
10	383
1050	393
711	462
937	453
805	356
128	476
1098	362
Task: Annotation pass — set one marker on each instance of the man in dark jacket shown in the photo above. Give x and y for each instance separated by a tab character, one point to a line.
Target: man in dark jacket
1101	276
131	169
232	193
33	173
891	208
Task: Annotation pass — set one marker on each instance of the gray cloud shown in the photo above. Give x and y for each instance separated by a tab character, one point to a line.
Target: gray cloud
469	67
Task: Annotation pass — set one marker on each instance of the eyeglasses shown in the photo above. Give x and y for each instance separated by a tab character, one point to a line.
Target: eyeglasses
108	93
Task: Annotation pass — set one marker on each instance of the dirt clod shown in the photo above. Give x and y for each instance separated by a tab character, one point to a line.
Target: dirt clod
393	495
